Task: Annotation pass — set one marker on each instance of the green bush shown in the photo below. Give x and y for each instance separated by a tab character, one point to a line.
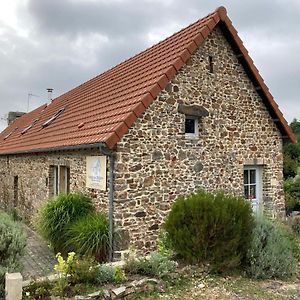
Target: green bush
105	274
211	227
290	201
83	270
12	245
270	254
37	290
164	244
292	192
89	236
156	265
109	274
119	275
295	224
57	215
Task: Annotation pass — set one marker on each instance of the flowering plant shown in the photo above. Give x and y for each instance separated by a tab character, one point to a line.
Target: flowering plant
63	269
63	266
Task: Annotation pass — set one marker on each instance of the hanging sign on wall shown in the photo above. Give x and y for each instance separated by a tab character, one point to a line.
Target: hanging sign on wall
96	172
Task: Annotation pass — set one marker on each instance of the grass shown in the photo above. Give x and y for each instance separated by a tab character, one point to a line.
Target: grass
225	288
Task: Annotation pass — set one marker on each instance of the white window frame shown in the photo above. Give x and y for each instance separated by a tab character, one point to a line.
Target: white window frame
258	201
192	135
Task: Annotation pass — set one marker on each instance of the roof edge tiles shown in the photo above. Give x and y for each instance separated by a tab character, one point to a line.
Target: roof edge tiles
245	55
173	54
219	16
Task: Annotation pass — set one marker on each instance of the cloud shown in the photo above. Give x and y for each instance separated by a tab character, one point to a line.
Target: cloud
62	43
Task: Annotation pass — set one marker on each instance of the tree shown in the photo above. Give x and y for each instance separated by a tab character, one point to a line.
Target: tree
291	169
291	153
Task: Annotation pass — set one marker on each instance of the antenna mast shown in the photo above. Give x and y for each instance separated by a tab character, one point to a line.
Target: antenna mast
29	97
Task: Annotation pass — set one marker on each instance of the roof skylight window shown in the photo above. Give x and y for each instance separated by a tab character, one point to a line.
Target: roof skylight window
30	126
7	136
54	117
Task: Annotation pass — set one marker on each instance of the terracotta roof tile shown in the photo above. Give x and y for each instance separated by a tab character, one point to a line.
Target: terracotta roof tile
103	109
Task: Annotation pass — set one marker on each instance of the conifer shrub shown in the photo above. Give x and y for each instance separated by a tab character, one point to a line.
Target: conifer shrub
271	251
211	227
56	216
89	236
12	245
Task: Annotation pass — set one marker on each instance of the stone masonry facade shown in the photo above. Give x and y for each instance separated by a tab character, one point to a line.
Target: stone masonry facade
156	162
34	184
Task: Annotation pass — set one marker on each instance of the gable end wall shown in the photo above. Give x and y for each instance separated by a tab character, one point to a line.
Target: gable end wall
156	163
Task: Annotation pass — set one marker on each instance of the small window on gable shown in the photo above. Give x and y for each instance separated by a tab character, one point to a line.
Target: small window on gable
191	127
54	117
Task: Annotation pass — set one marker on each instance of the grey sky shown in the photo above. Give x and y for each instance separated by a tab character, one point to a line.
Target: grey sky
62	43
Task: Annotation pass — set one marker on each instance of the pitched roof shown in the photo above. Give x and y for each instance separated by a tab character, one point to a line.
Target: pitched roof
103	109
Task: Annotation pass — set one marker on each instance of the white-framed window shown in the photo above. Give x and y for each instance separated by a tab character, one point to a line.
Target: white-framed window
191	127
253	186
59	180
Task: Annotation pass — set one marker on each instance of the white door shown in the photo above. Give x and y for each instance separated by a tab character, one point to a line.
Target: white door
253	186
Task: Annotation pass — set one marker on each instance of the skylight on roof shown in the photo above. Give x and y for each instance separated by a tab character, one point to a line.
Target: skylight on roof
30	126
7	136
55	116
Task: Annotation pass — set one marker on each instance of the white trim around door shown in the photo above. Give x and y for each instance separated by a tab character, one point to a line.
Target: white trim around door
253	186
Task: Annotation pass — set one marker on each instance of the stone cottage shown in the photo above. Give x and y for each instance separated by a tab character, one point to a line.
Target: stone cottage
189	112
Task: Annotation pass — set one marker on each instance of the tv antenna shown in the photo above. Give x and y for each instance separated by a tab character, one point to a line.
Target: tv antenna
30	95
4	118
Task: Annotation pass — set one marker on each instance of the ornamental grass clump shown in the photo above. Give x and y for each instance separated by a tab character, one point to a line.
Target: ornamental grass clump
271	251
56	216
89	236
211	227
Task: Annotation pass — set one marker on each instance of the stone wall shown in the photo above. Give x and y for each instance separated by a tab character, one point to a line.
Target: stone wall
156	162
33	179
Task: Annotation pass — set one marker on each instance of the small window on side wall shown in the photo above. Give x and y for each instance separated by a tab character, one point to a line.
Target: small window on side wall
191	128
59	180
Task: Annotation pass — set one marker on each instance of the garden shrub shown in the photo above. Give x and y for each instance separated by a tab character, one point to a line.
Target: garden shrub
89	236
156	265
12	246
296	224
164	244
119	275
37	290
109	274
57	215
105	274
211	227
83	270
270	254
292	193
